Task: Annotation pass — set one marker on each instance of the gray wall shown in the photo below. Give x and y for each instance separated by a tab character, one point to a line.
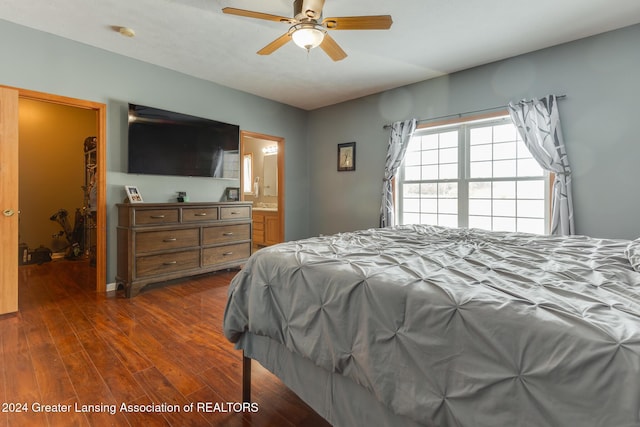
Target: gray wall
38	61
599	117
598	75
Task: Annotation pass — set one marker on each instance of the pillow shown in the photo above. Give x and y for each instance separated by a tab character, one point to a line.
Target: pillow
633	253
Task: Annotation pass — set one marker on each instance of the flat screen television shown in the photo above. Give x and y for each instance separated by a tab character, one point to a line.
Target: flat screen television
168	143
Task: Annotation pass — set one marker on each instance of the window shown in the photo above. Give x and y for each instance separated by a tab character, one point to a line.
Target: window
247	173
477	174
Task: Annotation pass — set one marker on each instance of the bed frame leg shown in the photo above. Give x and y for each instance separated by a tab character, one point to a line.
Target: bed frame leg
246	379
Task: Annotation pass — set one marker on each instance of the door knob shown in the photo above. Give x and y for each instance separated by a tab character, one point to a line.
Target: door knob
8	212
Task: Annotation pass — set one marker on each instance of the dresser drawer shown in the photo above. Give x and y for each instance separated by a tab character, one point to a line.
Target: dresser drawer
228	233
199	214
232	212
226	253
155	216
150	241
155	265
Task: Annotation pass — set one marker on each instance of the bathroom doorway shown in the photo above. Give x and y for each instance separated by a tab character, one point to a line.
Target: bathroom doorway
262	183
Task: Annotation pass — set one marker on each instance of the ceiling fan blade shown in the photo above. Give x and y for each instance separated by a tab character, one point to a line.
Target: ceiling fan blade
332	49
256	15
275	45
376	22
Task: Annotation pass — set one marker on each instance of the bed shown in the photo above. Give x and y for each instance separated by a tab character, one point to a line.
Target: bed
432	326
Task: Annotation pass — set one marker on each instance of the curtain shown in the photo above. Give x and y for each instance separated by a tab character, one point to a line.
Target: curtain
401	133
538	123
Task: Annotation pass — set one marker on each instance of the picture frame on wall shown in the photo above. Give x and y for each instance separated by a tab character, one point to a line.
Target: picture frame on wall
133	194
347	156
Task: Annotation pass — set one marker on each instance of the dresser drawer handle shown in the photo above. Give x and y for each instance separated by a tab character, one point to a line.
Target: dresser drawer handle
227	253
200	214
170	263
171	239
235	213
228	233
157	216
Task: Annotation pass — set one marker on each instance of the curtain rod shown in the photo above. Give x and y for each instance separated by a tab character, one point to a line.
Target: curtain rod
466	113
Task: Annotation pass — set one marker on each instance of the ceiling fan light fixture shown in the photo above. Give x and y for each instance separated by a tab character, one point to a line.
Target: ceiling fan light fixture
307	35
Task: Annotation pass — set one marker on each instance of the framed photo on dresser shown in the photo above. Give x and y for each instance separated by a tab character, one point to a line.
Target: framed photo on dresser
231	194
133	194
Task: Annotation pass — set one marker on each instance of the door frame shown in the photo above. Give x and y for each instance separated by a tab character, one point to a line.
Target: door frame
100	110
281	191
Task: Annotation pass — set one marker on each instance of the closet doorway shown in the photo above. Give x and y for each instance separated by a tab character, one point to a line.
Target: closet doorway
9	110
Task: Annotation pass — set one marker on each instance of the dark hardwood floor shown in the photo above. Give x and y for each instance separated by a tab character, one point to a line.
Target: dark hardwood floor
89	353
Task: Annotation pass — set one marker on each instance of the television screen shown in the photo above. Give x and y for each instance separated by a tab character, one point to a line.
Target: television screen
168	143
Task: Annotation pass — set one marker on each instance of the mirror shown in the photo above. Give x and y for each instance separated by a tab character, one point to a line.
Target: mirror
270	175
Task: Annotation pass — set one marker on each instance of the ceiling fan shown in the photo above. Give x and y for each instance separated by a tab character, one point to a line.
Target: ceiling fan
309	30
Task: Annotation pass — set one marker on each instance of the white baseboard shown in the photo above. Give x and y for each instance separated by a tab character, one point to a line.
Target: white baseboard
112	287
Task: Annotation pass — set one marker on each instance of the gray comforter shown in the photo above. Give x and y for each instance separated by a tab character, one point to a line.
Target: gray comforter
457	327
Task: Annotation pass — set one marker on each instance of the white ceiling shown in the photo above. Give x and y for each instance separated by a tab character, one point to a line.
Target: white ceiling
428	38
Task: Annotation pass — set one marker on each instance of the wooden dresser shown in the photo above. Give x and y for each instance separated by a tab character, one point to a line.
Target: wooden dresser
165	241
